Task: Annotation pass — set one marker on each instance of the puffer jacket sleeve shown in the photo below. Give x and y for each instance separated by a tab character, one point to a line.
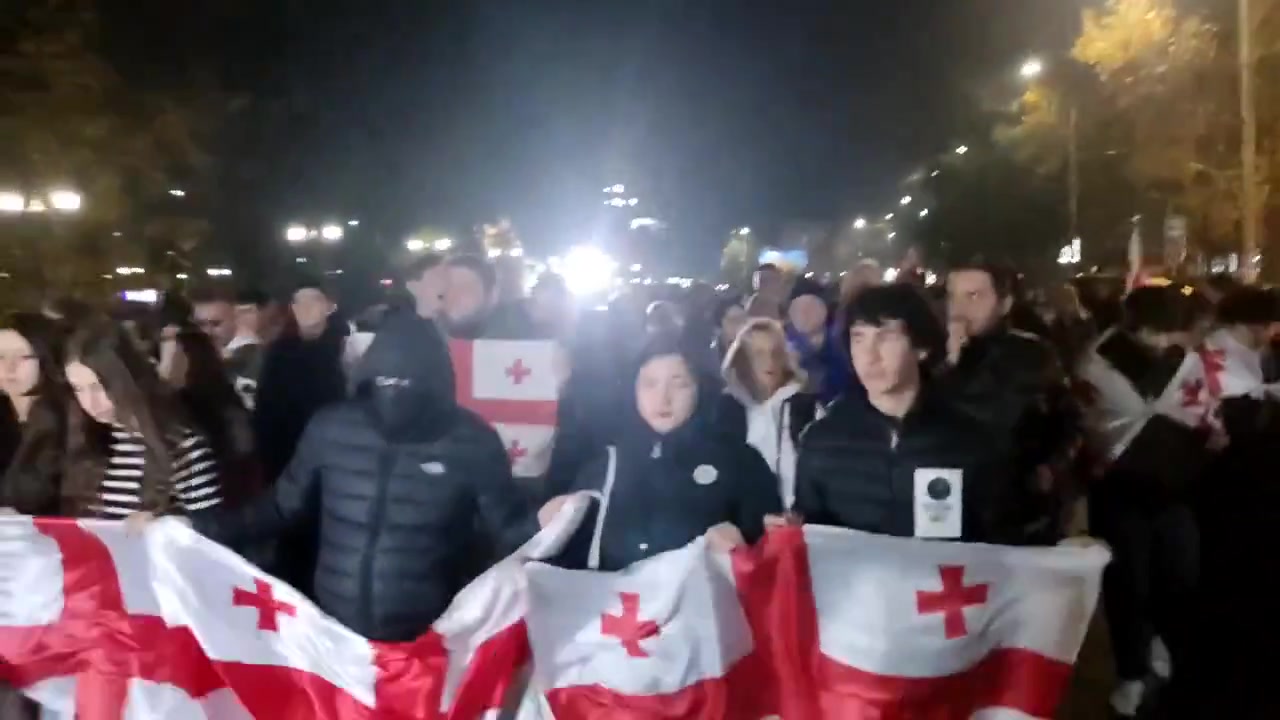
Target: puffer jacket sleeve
294	497
811	503
505	514
757	494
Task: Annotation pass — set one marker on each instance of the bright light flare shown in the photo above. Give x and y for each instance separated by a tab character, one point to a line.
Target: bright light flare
588	270
890	275
860	224
924	213
12	202
906	200
332	233
962	149
1031	69
442	244
178	193
65	200
295	233
415	245
218	272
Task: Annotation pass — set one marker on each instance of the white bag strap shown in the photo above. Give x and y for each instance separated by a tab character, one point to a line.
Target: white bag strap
593	557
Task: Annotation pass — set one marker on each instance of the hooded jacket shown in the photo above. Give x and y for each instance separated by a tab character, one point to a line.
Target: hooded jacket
659	492
405	485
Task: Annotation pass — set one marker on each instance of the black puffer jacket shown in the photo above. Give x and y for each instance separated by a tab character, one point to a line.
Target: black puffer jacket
405	485
858	469
667	490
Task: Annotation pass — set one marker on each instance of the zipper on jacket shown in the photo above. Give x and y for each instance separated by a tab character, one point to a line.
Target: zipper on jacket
386	463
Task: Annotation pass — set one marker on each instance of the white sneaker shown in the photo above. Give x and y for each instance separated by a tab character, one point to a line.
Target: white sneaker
1161	663
1127	698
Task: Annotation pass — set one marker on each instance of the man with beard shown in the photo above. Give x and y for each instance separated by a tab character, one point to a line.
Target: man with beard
1012	383
471	307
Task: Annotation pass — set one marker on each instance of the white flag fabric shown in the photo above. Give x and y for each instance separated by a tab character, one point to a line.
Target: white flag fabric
1118	412
660	639
899	628
515	386
171	625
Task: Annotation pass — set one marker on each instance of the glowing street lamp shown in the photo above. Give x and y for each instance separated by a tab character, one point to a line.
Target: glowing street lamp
860	224
1031	69
906	200
65	200
924	213
178	193
353	223
296	233
889	216
962	149
12	202
331	232
415	245
442	245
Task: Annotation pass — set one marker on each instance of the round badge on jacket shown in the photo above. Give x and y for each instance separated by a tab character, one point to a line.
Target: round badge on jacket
705	474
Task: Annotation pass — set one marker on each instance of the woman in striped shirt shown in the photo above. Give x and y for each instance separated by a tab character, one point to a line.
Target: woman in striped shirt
131	447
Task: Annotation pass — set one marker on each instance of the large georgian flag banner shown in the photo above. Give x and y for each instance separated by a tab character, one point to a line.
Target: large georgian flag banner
814	624
811	624
101	625
515	386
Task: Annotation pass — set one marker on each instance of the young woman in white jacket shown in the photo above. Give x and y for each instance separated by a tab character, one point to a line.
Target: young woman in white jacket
765	399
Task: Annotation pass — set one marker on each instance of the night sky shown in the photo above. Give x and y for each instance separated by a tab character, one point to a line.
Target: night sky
722	113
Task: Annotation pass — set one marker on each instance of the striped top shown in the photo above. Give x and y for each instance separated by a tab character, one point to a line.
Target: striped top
195	475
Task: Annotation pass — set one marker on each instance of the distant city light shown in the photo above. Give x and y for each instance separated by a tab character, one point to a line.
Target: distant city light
218	272
618	188
181	276
587	270
295	233
178	193
495	252
644	222
935	173
889	216
300	260
637	267
65	200
633	202
415	245
516	252
890	275
892	235
744	231
353	223
617	202
331	232
117	234
924	212
149	296
906	200
1032	68
962	149
442	245
129	271
12	202
860	223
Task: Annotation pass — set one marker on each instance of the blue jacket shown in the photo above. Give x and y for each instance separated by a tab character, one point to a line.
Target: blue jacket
830	374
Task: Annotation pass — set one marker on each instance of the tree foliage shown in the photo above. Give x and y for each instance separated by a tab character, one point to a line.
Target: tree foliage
69	119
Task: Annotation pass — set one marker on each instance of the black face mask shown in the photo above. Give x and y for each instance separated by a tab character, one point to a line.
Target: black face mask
397	402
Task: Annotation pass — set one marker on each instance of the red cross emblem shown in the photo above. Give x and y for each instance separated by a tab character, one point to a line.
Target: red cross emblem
131	646
518	372
516	451
1191	390
952	600
628	627
264	601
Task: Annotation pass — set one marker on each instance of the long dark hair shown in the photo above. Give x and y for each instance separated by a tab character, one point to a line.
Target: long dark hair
31	481
143	403
209	397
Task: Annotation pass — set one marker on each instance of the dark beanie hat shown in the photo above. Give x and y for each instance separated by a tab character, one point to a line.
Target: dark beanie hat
805	286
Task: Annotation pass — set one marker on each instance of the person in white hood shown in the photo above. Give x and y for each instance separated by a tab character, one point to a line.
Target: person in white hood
765	396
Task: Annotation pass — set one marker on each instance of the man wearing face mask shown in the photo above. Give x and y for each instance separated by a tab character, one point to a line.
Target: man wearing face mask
405	485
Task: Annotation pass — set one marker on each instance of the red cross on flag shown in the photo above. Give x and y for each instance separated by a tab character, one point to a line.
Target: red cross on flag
664	638
172	625
514	385
904	628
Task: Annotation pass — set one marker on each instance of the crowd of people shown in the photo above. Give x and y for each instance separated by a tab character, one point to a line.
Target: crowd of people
959	413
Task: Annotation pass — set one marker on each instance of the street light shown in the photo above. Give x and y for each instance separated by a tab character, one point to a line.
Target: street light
924	212
353	223
12	202
415	245
178	193
218	272
889	216
295	233
331	232
442	245
744	231
1031	69
906	200
892	235
860	223
65	200
962	149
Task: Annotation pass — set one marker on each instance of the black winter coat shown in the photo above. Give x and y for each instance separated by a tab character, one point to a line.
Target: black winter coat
669	490
401	508
857	469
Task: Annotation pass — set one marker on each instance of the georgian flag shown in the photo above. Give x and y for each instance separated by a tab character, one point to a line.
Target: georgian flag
172	625
1119	412
814	623
515	386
